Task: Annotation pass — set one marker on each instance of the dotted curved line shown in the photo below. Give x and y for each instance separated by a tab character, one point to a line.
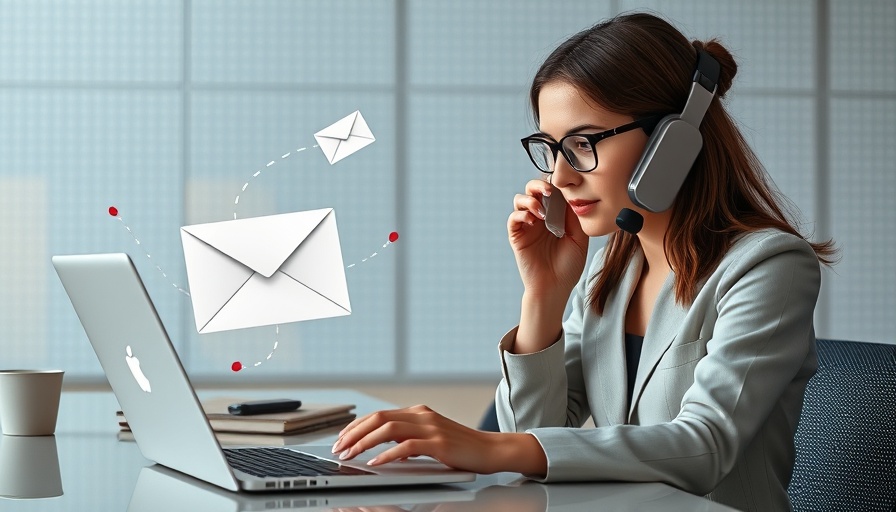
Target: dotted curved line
236	201
148	256
387	244
276	344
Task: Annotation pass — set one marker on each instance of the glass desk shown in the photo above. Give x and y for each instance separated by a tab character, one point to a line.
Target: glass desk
85	467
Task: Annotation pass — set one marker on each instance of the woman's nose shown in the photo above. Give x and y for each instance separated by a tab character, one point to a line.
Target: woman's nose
564	175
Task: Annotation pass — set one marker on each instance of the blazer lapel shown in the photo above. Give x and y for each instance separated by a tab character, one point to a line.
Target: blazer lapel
665	321
610	344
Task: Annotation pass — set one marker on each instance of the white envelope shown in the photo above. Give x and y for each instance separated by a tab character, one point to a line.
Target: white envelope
265	270
344	137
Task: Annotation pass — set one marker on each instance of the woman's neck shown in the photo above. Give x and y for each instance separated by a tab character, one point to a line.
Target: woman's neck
652	239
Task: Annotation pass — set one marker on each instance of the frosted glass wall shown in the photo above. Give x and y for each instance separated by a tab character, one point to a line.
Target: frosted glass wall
169	110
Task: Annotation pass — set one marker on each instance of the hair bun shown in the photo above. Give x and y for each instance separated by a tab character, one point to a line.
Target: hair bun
725	60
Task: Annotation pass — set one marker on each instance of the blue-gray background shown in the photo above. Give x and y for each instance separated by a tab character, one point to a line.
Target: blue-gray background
166	108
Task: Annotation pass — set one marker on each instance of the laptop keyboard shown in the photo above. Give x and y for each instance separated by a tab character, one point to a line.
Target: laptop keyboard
283	462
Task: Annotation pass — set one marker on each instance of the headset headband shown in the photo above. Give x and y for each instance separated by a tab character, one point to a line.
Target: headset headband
707	78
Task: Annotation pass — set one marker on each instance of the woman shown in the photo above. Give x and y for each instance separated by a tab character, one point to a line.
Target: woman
689	343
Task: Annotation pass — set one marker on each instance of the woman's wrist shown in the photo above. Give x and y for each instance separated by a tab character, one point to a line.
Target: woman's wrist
541	322
518	452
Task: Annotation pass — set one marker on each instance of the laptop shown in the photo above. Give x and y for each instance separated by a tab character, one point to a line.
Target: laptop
162	409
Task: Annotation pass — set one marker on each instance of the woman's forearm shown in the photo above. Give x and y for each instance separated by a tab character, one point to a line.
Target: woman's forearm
541	322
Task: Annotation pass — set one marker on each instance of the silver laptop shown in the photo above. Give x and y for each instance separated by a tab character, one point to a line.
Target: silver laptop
163	411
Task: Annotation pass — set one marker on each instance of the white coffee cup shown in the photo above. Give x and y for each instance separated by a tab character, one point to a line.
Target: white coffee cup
29	401
29	467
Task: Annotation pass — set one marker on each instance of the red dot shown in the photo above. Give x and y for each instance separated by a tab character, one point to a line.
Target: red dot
236	366
113	211
393	236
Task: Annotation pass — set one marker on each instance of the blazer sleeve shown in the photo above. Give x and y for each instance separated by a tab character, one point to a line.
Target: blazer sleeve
760	341
546	388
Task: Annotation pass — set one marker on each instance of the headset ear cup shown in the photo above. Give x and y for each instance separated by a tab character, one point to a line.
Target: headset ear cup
647	157
655	138
668	157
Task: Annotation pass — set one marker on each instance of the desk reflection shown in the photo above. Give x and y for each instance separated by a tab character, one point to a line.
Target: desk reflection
159	488
29	467
534	497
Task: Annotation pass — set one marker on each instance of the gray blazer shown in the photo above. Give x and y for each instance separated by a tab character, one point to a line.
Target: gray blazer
719	387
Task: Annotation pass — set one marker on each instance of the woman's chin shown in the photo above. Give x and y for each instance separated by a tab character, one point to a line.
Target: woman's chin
598	227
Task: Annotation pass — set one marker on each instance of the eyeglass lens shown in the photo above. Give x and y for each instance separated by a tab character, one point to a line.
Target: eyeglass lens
577	150
542	156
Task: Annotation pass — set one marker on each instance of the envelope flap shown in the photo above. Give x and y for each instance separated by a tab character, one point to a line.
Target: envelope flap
260	243
340	129
360	128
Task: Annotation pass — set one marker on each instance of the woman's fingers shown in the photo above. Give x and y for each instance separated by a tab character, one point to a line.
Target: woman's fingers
353	430
538	188
421	431
362	419
522	202
518	218
402	452
531	199
528	207
395	430
361	427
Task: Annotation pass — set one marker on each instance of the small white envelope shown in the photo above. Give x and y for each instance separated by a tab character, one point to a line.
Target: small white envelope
344	137
265	270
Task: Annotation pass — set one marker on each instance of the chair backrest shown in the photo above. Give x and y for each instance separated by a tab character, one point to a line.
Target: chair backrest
489	421
846	438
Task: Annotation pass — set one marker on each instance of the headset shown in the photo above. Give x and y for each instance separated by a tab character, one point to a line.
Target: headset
671	149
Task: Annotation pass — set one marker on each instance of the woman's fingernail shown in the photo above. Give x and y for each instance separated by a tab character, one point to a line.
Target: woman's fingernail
344	455
541	212
337	446
546	193
371	462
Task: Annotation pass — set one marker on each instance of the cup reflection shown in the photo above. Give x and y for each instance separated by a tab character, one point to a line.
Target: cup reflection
29	467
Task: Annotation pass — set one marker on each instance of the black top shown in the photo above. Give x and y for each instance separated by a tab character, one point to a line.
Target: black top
633	344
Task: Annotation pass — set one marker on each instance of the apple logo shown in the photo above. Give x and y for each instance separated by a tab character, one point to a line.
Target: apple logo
134	365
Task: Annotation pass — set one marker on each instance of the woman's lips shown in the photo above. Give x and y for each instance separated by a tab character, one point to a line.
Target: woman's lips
580	207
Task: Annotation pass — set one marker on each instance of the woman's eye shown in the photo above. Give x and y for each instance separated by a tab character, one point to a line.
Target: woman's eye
583	146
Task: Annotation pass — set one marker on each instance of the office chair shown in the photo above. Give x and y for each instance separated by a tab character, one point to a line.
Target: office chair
846	438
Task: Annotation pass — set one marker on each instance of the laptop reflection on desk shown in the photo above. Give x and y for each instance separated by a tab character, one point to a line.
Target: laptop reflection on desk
160	488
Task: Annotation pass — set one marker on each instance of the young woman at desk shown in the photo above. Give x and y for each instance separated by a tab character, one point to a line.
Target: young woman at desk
689	343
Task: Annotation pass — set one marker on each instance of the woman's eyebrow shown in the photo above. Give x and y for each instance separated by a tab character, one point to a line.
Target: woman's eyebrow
576	129
581	127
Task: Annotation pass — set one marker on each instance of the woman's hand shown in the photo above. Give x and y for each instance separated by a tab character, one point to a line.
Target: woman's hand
549	266
419	430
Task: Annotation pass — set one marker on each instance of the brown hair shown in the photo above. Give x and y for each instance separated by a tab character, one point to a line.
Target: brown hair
640	65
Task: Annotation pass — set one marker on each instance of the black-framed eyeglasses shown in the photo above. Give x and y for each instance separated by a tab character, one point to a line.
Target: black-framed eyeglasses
578	149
